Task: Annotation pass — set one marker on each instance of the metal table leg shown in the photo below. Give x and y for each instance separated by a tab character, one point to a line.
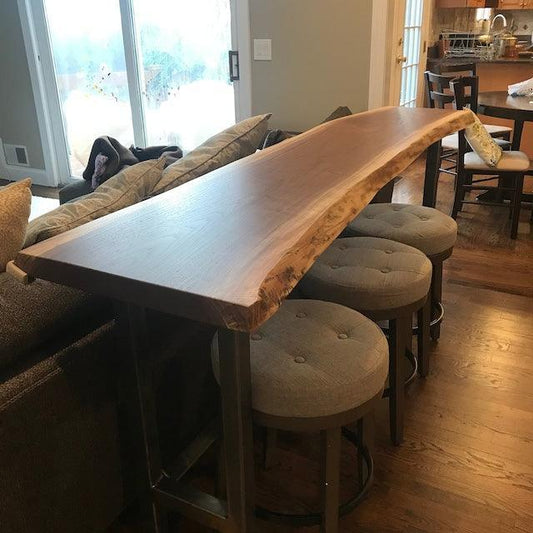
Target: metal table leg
137	371
235	386
432	175
161	490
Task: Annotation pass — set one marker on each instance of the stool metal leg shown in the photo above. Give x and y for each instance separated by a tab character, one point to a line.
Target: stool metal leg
423	333
331	453
235	387
270	448
400	330
361	474
436	295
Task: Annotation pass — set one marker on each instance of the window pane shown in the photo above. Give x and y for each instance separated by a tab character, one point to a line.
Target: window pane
184	47
411	50
91	74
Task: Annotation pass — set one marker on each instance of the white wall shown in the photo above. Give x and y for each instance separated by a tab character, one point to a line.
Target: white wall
320	59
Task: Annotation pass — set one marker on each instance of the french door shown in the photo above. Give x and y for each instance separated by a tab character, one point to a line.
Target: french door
412	20
143	71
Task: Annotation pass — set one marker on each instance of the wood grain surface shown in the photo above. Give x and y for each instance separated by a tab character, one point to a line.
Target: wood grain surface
226	248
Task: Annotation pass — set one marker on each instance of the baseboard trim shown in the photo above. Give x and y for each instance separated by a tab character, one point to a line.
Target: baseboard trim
38	176
14	173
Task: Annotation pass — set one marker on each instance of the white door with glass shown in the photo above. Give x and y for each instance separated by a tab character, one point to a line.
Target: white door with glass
410	57
147	72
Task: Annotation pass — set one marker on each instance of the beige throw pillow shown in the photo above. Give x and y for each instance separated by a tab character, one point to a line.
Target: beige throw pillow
482	143
128	187
15	207
223	148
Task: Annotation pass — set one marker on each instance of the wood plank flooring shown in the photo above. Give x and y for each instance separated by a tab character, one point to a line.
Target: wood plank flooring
467	461
38	190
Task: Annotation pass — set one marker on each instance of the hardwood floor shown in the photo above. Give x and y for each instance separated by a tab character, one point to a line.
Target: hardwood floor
467	461
38	190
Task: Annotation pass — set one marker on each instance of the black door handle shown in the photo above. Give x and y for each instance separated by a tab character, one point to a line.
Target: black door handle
234	68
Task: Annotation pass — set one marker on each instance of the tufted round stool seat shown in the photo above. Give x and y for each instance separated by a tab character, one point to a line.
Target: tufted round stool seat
385	280
424	228
369	274
314	359
317	366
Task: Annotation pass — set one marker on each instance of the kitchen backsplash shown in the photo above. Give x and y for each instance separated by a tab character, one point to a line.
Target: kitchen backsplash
465	20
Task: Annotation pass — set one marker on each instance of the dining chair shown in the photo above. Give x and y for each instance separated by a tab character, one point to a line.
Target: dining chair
439	95
510	168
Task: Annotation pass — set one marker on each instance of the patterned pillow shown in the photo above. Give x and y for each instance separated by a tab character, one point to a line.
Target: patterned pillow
223	148
129	186
482	143
15	206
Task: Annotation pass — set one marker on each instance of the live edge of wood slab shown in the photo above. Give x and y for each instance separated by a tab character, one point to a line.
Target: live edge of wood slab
228	247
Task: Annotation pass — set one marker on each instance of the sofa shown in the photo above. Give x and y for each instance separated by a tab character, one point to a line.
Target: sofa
67	458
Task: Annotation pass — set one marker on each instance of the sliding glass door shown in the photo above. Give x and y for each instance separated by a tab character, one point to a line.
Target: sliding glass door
90	71
143	71
185	69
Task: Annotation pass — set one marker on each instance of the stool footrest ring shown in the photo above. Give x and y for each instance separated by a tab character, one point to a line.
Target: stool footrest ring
414	366
439	308
313	519
439	311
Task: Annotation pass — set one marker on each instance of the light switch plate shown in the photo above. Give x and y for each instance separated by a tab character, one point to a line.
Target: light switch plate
263	49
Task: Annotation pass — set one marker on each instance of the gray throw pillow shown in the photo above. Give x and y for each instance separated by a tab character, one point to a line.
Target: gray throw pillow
129	186
234	143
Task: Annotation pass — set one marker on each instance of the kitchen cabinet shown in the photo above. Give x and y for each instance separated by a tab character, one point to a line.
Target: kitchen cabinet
515	4
470	3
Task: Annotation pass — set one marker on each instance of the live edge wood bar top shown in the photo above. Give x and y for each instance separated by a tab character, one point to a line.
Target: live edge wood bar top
228	247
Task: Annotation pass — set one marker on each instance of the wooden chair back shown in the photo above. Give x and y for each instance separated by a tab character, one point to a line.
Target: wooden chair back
437	89
465	91
463	100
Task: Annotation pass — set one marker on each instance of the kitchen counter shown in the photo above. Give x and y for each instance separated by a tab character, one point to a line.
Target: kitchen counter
467	59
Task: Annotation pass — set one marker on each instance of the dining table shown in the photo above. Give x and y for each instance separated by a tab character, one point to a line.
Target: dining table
226	249
501	105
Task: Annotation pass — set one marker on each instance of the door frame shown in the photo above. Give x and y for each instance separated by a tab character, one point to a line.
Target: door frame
45	92
387	28
47	105
379	47
396	49
241	37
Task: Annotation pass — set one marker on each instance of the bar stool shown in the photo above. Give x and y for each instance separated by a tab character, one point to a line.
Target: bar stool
317	366
384	280
424	228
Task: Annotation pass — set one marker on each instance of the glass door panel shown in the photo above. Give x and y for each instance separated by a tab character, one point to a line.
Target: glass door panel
90	69
184	74
412	41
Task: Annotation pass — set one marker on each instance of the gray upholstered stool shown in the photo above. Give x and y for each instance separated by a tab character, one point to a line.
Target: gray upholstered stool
317	366
424	228
384	280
